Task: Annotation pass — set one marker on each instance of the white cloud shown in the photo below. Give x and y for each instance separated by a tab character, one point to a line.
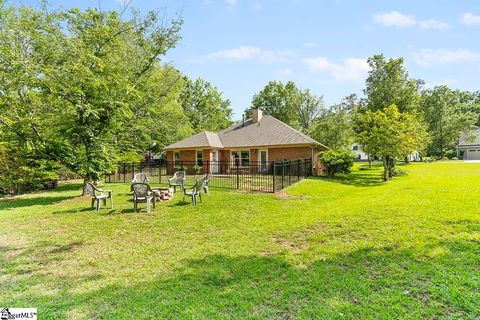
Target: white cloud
434	24
258	6
352	69
469	19
244	53
284	72
395	19
429	57
400	20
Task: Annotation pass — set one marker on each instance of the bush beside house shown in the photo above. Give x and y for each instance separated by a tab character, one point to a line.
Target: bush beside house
336	162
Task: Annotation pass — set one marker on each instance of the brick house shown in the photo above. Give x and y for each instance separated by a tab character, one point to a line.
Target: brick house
257	141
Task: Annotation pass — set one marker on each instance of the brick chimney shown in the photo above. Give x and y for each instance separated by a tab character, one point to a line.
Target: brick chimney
257	115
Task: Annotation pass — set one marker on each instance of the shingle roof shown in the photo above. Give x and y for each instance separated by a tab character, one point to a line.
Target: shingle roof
202	139
267	132
471	138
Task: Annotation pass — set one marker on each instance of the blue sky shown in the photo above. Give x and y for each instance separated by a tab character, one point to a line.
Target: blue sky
239	45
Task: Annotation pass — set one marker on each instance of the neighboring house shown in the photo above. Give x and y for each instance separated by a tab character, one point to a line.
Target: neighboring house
362	156
259	140
468	147
357	150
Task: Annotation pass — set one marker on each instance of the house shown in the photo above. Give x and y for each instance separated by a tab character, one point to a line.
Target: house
360	155
468	147
257	141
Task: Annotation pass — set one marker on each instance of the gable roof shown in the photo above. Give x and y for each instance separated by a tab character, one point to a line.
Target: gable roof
469	138
204	139
267	132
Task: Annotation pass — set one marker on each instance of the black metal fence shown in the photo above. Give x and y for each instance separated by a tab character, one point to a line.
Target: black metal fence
245	175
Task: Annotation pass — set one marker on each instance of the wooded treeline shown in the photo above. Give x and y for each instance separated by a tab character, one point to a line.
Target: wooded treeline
83	90
395	116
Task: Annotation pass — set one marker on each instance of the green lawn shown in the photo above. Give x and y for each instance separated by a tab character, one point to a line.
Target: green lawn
349	248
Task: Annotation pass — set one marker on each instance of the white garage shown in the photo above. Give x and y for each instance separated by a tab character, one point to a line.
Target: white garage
472	154
468	147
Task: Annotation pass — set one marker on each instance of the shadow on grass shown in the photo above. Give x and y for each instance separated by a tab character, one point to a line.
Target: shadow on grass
68	187
74	210
364	178
12	203
356	284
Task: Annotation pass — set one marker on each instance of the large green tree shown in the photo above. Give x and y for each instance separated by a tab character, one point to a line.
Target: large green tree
286	102
73	82
204	106
447	113
388	83
333	126
279	100
390	134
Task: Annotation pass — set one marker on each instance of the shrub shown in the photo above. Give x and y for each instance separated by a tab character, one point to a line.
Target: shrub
450	154
20	173
336	162
197	169
454	158
399	172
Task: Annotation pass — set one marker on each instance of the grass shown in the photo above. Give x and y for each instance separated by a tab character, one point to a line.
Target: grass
346	248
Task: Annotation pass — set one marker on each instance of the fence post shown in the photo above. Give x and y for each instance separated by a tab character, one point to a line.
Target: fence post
298	170
238	178
273	166
283	173
310	167
160	172
304	168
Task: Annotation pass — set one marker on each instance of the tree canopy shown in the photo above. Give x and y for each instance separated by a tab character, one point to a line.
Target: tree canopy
204	106
390	134
388	83
447	113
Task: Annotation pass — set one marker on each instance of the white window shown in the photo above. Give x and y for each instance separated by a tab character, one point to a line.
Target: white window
176	158
199	157
241	157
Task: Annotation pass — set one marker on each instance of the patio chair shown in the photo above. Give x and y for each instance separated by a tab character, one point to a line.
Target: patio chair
195	191
178	180
142	193
206	180
98	195
140	177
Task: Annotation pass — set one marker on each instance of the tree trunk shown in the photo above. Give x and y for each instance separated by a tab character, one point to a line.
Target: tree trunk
391	166
369	161
85	180
385	168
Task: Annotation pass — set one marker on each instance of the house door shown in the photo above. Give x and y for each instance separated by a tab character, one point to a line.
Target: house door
263	160
214	161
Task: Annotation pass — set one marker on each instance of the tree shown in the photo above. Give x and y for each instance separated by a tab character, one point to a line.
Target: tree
204	106
389	134
309	109
333	126
280	101
447	113
388	83
71	81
